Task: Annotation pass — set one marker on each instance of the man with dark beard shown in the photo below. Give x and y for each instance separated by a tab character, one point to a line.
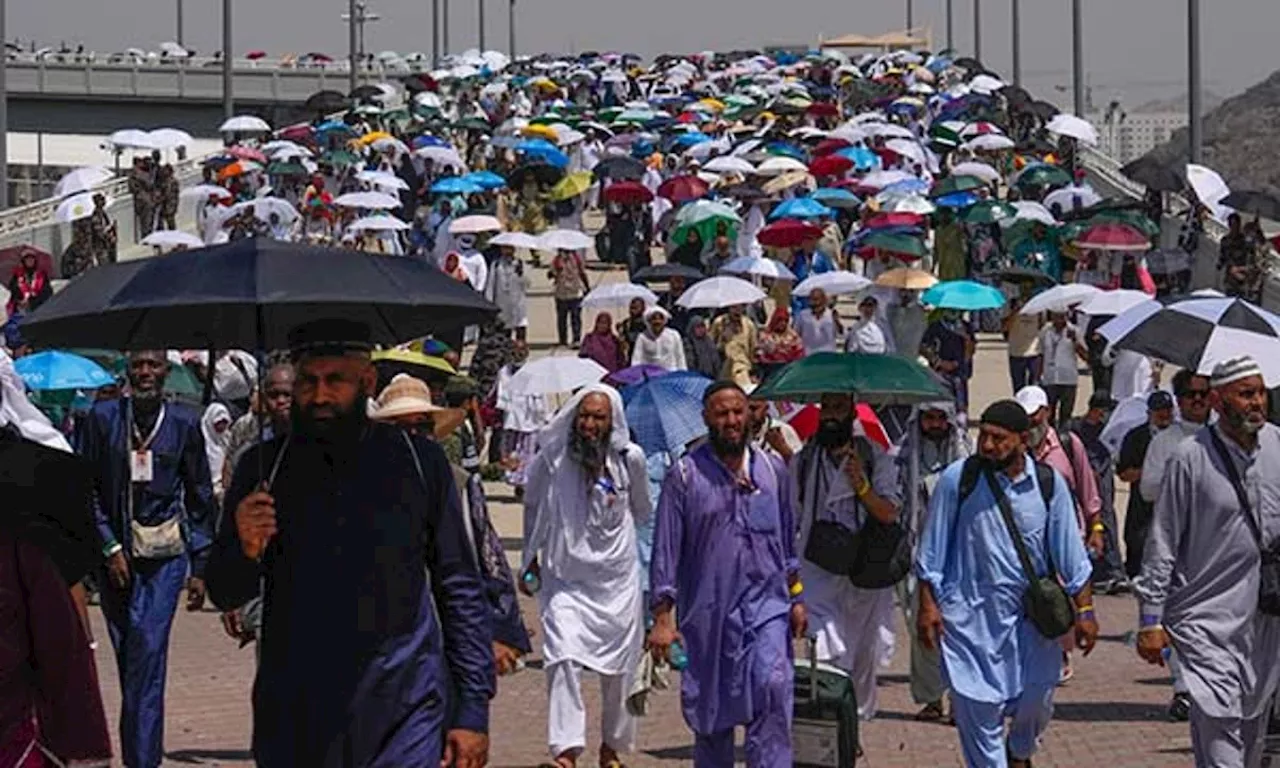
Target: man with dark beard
996	662
846	479
1200	589
153	503
738	608
354	530
587	491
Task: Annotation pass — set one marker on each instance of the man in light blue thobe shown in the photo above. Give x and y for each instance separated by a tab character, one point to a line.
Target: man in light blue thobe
996	662
735	608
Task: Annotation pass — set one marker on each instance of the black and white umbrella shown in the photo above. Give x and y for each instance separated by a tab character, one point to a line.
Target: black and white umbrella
1200	333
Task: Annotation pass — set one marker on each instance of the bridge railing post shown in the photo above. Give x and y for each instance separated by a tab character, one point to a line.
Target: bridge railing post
88	77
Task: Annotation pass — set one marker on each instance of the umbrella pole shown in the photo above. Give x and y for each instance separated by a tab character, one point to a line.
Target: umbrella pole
913	470
207	397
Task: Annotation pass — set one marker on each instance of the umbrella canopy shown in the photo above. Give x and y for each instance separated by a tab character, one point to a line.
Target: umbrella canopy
80	180
1018	275
54	369
682	189
249	294
378	223
621	167
627	193
1200	333
474	225
835	283
779	165
1262	204
451	185
788	233
1042	175
963	295
515	240
618	295
729	164
977	170
831	165
326	102
833	197
660	273
555	375
634	374
571	186
665	413
989	212
1113	302
1074	127
564	240
1153	174
1113	236
719	292
800	208
877	379
485	179
905	278
244	124
416	364
896	243
758	266
374	200
75	208
1071	198
1059	298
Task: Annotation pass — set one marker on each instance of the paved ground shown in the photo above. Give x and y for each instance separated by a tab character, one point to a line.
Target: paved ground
1112	713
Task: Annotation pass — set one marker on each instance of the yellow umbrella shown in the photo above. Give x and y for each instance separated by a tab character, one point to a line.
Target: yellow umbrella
571	186
787	180
907	279
373	136
543	83
409	357
541	132
714	105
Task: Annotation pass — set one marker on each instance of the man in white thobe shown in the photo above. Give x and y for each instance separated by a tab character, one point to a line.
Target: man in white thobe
587	491
844	478
508	287
867	334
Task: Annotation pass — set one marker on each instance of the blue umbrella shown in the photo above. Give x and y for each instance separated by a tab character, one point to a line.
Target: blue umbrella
836	197
61	370
963	295
665	413
455	185
334	126
956	200
783	149
686	140
543	151
426	140
485	179
907	187
799	208
863	158
505	142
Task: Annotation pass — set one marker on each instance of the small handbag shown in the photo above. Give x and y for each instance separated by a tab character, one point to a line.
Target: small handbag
1047	604
157	542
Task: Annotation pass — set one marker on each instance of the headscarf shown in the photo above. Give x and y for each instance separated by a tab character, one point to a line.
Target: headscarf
603	347
779	342
701	352
17	411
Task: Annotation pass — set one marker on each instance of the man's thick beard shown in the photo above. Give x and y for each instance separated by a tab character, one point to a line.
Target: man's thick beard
1000	465
1239	420
723	446
590	454
834	433
346	427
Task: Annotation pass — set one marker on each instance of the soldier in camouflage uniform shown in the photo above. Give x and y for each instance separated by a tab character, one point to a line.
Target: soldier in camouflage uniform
167	197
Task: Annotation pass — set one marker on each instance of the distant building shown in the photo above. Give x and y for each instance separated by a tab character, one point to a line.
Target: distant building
1129	136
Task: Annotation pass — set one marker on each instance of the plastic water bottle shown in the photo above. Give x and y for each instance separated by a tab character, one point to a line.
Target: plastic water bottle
676	656
531	582
1131	641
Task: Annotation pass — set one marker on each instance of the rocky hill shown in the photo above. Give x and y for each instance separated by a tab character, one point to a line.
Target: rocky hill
1241	139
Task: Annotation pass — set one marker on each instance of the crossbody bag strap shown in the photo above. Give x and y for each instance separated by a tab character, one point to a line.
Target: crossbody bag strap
1006	513
1246	508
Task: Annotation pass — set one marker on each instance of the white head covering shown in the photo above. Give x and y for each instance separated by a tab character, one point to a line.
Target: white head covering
553	442
229	381
1235	369
17	410
656	310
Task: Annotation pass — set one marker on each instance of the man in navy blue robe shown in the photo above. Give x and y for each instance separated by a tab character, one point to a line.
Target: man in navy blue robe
154	508
375	647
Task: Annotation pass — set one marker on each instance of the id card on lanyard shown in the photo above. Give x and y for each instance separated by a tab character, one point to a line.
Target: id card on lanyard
141	458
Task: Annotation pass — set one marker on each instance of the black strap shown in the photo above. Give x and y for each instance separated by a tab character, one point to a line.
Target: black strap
1233	475
1006	513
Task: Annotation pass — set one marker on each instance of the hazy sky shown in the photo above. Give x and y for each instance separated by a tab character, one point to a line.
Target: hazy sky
1134	49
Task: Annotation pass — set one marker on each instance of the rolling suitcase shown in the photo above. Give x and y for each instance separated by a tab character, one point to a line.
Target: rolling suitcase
824	727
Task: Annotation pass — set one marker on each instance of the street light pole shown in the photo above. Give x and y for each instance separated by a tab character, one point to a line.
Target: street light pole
444	27
352	44
435	32
1195	125
1016	14
480	4
977	29
180	25
911	16
511	28
951	41
4	119
228	78
1077	57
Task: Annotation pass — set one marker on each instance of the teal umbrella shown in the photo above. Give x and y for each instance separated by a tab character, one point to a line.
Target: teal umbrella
964	295
988	212
875	379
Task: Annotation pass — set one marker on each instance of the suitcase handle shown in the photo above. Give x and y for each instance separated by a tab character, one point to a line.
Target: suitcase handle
812	640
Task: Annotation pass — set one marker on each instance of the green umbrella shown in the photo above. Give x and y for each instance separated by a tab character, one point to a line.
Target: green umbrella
474	124
945	137
1043	175
875	379
182	384
340	157
908	245
960	183
988	212
290	168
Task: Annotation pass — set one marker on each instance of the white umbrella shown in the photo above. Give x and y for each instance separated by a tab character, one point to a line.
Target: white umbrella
263	207
908	204
718	292
728	164
515	240
174	50
989	142
170	238
837	283
882	179
564	240
1059	298
130	138
378	223
367	200
1210	188
472	225
908	149
553	375
169	138
986	84
889	130
204	192
382	179
776	166
1030	210
1113	302
758	266
1071	198
1077	128
980	170
618	294
244	124
74	208
446	156
80	179
391	144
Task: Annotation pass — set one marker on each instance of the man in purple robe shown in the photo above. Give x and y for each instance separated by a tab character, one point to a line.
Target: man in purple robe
738	610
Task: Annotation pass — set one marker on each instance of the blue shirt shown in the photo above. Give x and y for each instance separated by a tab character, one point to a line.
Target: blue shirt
803	265
990	651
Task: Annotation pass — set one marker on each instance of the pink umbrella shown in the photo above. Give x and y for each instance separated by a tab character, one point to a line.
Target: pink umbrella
1113	236
247	153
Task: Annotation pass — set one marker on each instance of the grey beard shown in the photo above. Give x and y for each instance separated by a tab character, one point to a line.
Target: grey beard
589	454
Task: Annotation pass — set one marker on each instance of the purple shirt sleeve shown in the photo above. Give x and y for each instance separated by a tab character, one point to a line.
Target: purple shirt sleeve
668	536
786	513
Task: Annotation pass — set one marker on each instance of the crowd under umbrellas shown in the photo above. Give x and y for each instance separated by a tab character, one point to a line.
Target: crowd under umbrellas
926	192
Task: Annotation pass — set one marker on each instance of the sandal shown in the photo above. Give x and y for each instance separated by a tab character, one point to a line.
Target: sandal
931	713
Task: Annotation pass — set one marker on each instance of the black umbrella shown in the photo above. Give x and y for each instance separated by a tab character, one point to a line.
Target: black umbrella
1018	275
543	173
968	62
747	193
1253	201
366	92
661	273
619	168
249	294
1153	174
326	102
47	502
1041	109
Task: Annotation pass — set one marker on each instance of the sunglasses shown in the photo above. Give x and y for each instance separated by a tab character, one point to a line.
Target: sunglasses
1195	394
